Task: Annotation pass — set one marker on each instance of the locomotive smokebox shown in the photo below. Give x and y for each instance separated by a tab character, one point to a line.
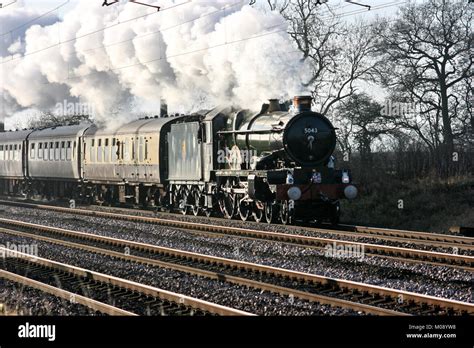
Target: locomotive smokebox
302	103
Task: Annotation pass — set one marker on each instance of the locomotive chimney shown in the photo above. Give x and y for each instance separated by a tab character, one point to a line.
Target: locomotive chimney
302	103
274	105
163	108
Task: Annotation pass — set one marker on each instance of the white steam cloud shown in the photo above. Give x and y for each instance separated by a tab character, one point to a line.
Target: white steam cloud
194	55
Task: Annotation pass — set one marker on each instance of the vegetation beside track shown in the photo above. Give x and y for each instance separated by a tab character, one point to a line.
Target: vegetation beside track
427	204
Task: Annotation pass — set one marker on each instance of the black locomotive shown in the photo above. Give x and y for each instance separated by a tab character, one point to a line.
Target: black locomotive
275	165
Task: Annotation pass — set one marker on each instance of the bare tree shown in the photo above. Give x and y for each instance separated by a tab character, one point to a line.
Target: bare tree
48	119
428	55
362	115
278	5
338	53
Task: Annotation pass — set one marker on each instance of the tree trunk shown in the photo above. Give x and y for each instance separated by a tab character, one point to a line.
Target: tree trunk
448	141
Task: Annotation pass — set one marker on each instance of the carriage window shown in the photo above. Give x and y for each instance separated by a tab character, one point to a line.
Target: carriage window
63	150
32	151
15	153
40	150
106	150
140	150
1	153
100	151
56	151
92	152
74	150
45	157
146	149
115	150
126	150
133	149
119	153
68	151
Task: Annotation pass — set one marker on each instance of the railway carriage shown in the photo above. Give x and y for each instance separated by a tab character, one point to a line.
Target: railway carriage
54	166
129	164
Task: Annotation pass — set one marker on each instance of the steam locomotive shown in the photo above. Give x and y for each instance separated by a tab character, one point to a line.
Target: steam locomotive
274	165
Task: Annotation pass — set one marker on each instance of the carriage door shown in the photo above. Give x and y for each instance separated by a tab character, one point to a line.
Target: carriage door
207	157
24	158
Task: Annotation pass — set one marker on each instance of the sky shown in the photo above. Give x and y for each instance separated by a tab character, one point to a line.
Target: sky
40	84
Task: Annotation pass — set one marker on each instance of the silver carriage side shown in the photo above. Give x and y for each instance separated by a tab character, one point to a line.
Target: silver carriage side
12	165
54	160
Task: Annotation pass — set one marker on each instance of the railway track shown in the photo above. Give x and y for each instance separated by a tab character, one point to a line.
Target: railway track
66	295
347	294
127	297
403	236
455	259
416	237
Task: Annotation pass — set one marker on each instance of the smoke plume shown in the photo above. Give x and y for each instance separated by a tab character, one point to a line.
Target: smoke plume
194	54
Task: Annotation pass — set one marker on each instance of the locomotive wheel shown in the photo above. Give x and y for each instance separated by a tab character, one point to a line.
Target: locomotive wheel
285	213
196	202
183	201
227	204
258	211
268	212
244	209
